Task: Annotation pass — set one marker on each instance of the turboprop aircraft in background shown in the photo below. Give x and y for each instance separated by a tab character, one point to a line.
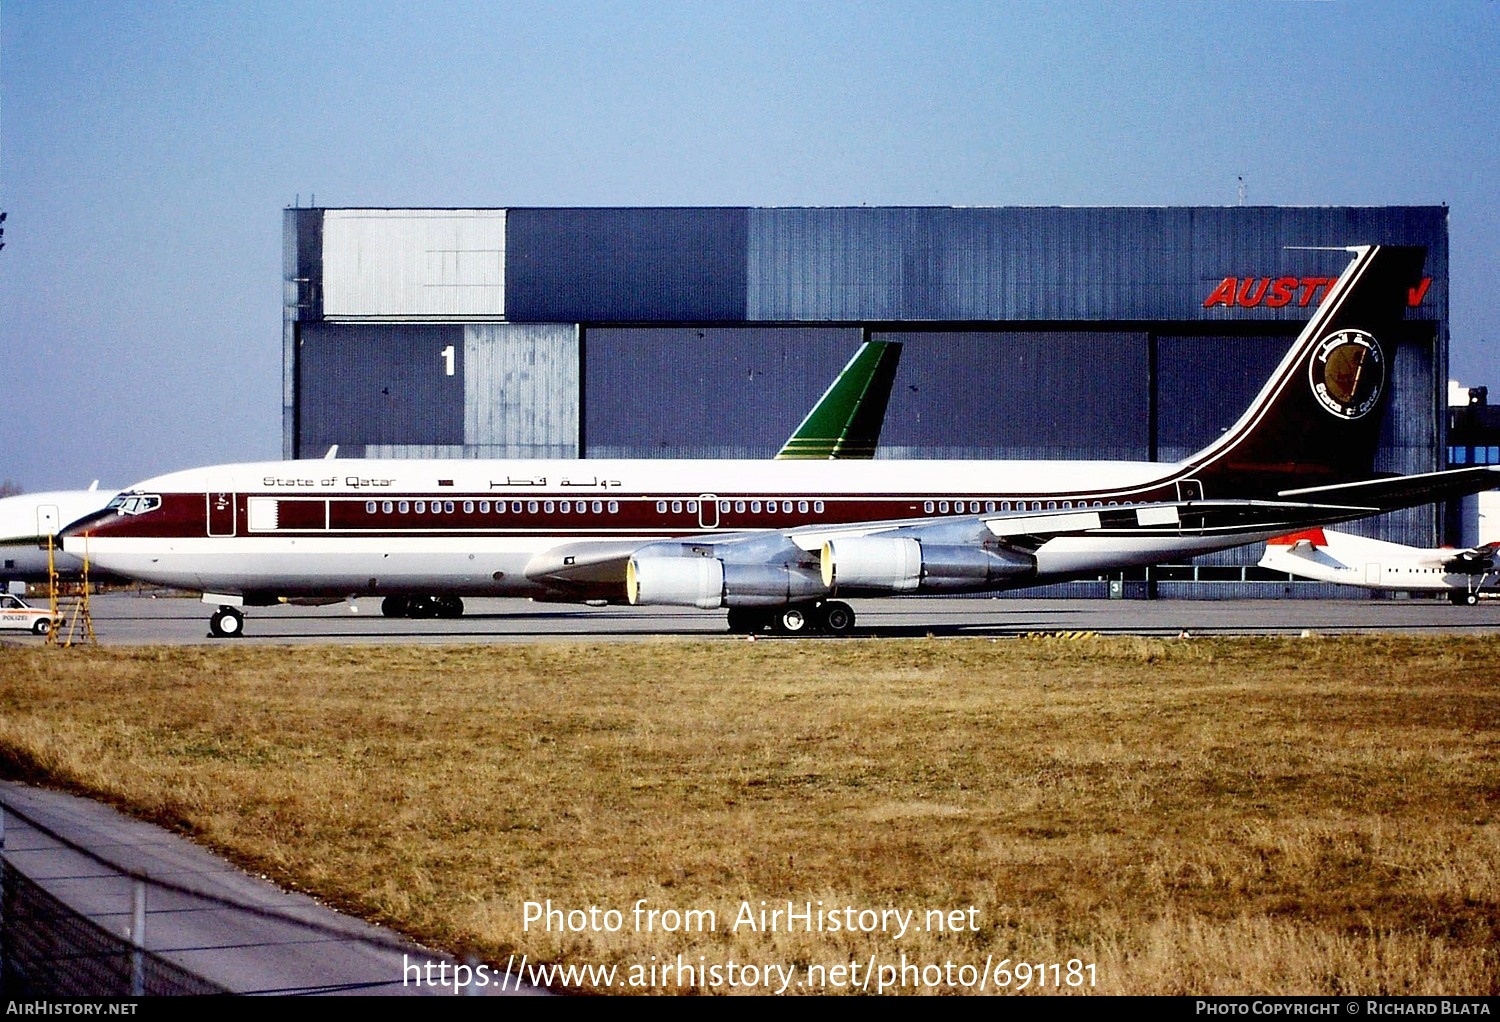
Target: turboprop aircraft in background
778	542
26	520
1327	555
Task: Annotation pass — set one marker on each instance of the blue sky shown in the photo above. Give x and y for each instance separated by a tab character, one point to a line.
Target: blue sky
147	150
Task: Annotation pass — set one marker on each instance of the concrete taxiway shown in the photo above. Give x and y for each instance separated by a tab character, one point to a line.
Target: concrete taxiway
199	915
141	619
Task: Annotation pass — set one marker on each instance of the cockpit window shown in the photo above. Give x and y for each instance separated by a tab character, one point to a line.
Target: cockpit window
135	503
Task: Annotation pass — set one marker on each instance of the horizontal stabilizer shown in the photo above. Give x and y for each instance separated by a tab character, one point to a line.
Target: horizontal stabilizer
1394	492
1300	541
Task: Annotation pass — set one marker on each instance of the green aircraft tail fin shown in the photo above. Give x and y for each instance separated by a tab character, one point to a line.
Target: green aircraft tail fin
846	421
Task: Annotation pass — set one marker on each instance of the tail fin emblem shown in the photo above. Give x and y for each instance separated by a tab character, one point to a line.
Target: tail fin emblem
1347	373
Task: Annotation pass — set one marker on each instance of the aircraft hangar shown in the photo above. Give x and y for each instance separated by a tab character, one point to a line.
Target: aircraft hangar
707	332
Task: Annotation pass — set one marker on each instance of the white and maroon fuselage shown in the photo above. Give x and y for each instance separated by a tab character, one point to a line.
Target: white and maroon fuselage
472	528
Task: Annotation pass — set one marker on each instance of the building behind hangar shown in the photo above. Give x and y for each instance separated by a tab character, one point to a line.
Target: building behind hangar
1035	332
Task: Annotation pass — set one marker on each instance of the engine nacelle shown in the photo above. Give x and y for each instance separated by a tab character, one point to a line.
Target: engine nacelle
769	585
675	582
902	564
873	562
967	567
707	583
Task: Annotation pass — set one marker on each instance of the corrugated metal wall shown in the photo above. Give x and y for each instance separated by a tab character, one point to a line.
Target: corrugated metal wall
1050	263
1205	383
845	264
1019	394
301	302
406	264
521	390
428	391
387	384
627	265
705	392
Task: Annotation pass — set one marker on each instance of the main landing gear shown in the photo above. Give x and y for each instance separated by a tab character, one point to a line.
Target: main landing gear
422	606
830	617
1463	597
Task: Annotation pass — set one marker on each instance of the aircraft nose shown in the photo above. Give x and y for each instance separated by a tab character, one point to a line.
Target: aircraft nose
88	524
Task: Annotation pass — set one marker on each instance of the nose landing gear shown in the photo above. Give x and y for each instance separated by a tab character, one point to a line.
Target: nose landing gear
227	623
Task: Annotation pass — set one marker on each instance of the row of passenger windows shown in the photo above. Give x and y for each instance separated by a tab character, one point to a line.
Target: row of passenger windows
753	506
1474	455
447	507
972	507
439	507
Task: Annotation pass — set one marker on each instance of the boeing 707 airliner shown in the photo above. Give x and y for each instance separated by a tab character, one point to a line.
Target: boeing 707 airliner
781	543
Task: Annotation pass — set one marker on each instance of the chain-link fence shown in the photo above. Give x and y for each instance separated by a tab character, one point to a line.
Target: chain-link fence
49	950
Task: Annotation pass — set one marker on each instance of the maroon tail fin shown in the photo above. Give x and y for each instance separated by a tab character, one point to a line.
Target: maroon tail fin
1317	420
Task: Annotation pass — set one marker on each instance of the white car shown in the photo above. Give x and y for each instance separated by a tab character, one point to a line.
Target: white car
16	613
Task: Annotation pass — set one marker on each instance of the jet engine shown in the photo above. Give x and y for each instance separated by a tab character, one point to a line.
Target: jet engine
675	582
873	562
903	564
708	582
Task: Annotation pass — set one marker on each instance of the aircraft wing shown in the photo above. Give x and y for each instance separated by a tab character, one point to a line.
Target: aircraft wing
1032	528
791	562
1479	560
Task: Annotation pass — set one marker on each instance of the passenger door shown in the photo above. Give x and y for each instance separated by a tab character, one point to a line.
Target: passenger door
221	510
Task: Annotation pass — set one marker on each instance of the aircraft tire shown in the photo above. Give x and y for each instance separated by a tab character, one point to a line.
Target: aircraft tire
746	620
421	606
449	606
1471	599
393	606
227	623
837	617
792	621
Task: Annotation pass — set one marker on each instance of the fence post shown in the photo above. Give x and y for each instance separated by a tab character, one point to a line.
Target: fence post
138	939
4	873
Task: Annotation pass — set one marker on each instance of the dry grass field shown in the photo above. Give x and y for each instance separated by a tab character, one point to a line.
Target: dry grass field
1189	817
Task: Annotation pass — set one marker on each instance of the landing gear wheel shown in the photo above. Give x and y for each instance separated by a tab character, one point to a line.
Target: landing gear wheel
393	606
792	621
227	623
1462	598
746	620
838	618
448	606
421	606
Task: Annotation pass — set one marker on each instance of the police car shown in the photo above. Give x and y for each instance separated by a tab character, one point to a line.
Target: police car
15	613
